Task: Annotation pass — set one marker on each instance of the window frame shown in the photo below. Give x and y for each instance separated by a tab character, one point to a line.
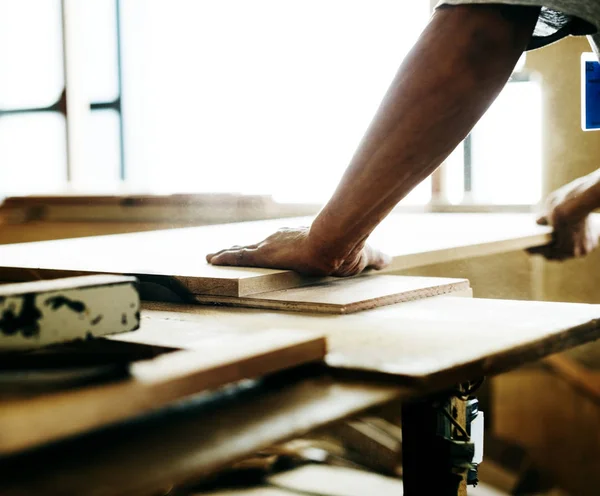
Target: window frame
437	203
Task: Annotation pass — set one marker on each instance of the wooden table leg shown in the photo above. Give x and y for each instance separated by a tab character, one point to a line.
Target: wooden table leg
426	456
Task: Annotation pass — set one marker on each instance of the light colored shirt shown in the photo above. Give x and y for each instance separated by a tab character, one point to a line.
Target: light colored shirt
558	18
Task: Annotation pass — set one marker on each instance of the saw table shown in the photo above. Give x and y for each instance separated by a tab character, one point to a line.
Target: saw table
164	424
99	438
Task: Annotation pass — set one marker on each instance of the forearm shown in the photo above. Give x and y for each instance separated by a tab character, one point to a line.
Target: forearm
457	68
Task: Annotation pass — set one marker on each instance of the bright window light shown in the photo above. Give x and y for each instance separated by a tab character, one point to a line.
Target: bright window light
257	97
507	148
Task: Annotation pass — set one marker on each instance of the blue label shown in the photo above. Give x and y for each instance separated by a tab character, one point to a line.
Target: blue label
592	95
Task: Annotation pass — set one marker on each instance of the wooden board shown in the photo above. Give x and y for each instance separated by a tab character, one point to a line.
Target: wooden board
177	256
343	296
249	491
432	342
336	481
213	199
321	480
219	359
40	313
198	442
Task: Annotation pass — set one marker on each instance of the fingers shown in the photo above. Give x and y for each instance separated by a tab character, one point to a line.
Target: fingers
367	258
546	251
237	257
550	251
210	256
542	220
556	252
538	250
377	260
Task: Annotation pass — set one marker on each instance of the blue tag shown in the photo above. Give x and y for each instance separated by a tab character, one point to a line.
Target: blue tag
590	95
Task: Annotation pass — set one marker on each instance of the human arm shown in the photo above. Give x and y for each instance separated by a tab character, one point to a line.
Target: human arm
568	210
458	66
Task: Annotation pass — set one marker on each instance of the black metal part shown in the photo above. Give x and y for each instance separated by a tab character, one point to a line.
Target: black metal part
161	288
438	451
427	456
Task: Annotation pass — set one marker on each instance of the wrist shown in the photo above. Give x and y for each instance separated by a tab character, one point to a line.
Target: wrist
322	256
326	245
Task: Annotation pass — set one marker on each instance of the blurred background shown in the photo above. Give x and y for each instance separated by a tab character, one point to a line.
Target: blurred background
178	96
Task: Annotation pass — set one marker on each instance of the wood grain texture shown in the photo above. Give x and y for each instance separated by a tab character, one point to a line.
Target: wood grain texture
432	342
343	296
177	255
197	444
41	313
221	359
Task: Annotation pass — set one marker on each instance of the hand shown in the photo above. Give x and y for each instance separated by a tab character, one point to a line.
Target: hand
294	249
573	236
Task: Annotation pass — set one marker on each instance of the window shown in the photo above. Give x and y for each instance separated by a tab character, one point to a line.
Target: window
102	165
256	97
259	97
33	102
500	163
32	123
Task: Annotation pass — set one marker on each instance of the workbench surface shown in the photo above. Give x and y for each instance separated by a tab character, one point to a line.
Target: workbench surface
400	352
178	255
427	345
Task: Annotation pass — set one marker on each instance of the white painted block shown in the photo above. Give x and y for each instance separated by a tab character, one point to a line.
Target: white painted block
40	313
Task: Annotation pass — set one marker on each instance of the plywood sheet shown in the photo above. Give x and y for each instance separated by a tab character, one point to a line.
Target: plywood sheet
434	342
40	313
343	296
177	256
219	359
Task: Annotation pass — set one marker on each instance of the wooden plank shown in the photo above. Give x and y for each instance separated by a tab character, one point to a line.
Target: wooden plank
433	342
438	341
248	491
28	419
371	446
341	481
177	255
343	296
336	481
137	200
40	313
197	443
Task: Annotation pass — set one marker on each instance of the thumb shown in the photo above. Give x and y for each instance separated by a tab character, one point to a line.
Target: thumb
378	260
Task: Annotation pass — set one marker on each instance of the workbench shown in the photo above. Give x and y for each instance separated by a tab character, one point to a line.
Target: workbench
85	441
